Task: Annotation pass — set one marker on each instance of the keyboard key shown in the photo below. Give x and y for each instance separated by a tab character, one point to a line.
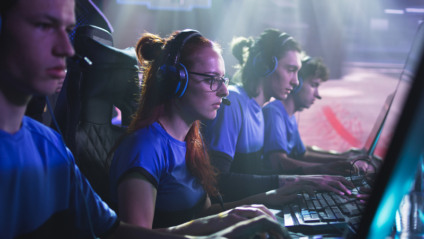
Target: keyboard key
321	209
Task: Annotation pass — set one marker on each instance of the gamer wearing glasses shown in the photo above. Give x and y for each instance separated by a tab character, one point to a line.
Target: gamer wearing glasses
44	195
161	174
235	138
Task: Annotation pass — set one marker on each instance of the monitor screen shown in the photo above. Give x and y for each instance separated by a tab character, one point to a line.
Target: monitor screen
403	155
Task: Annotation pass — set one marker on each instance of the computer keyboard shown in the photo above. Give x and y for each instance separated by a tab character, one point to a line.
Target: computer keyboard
323	212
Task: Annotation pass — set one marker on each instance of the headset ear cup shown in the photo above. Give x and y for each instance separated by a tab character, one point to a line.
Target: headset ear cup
173	71
177	75
164	73
263	68
182	79
298	87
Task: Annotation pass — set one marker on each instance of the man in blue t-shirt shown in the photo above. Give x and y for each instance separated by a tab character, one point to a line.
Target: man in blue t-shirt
235	138
283	147
43	193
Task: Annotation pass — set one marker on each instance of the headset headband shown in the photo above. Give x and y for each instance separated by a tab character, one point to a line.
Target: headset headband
172	68
175	45
284	38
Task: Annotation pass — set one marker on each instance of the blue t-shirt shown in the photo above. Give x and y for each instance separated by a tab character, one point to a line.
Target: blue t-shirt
281	131
43	190
160	158
238	130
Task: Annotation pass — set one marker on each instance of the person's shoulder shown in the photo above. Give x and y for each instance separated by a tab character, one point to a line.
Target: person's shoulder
234	89
274	109
148	136
44	137
237	93
39	129
147	133
273	105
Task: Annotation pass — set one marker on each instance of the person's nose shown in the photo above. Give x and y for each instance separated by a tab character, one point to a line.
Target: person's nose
294	80
317	95
63	46
223	91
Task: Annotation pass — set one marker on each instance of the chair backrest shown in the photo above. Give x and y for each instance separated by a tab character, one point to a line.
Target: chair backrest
91	93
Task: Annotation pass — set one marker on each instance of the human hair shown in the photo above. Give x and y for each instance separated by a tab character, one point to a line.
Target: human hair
313	68
268	45
155	99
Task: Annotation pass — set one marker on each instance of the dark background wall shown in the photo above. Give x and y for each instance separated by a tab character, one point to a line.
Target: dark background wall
340	31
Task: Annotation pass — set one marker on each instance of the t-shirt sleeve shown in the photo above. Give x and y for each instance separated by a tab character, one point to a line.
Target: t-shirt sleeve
139	154
281	132
93	215
275	130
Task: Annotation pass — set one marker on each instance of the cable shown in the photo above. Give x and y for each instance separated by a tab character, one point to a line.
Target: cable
365	176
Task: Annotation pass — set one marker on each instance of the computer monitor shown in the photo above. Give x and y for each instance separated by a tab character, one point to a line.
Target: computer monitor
394	178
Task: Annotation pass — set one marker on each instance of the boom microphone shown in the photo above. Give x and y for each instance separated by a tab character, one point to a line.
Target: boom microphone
226	101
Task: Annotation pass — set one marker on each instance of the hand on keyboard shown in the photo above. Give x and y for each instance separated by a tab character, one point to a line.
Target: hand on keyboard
362	165
363	193
311	183
251	211
357	196
258	227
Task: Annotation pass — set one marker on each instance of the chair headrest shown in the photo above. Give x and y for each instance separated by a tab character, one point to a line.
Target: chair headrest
94	32
96	44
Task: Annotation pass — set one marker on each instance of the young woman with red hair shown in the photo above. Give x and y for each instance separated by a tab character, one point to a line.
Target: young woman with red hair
160	174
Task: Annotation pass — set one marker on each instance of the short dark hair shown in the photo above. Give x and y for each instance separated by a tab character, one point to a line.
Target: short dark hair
313	68
269	45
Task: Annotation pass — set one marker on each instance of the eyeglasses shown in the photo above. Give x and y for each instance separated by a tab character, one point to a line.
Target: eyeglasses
214	81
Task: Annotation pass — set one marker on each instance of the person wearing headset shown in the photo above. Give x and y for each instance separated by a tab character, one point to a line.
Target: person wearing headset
160	174
284	151
235	138
44	195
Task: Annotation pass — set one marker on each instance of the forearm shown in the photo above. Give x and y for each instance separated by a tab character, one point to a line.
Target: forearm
217	208
128	231
321	157
234	186
282	163
287	191
242	222
193	228
205	226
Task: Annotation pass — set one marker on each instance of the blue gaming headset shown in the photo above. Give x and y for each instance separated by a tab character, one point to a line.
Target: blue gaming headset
305	61
173	70
265	66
